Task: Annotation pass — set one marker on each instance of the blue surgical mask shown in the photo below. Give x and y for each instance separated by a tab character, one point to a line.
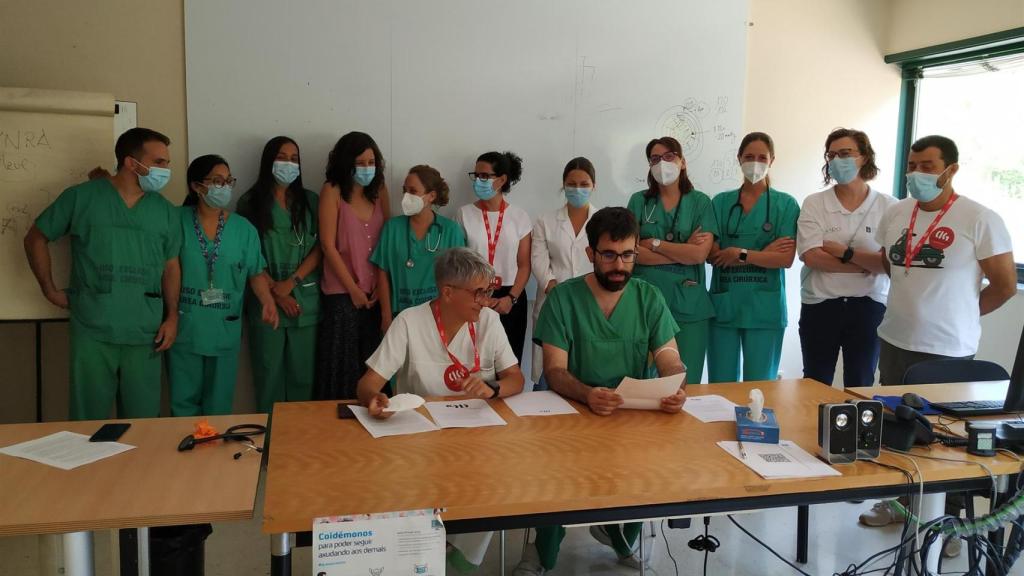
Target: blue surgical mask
285	172
155	179
923	187
843	170
483	189
217	196
364	175
577	197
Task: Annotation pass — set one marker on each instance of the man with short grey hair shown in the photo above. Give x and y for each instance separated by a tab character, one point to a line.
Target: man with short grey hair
453	344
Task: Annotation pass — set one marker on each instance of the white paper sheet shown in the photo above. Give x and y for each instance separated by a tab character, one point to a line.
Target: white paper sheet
404	402
782	460
543	403
468	413
65	450
647	394
411	422
710	408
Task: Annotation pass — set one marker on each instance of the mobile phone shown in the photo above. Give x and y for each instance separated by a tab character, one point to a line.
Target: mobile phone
345	411
110	432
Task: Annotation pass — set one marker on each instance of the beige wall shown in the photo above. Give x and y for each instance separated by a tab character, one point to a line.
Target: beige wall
923	23
130	48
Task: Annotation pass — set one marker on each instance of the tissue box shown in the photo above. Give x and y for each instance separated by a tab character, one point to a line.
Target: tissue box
747	430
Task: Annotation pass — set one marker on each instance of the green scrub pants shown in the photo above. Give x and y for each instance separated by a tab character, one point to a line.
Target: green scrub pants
201	385
549	540
283	363
692	340
761	350
102	372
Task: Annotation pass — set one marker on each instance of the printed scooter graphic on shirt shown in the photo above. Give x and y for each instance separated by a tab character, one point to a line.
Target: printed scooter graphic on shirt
931	254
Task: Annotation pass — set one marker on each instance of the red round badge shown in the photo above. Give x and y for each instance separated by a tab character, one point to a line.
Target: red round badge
942	238
453	375
496	283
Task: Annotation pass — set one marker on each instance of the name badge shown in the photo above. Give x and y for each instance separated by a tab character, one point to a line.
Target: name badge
212	296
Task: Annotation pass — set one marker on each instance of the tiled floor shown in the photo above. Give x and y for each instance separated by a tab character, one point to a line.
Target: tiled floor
836	541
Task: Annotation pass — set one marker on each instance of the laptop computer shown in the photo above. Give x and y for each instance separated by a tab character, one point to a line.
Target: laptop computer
1013	403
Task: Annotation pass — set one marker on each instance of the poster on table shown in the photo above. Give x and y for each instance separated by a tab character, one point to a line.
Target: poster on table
411	542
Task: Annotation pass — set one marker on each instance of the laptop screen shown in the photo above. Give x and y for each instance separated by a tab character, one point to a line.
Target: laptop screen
1015	393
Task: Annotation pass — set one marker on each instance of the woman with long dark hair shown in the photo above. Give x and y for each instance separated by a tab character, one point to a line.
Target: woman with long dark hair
220	254
353	208
677	228
284	213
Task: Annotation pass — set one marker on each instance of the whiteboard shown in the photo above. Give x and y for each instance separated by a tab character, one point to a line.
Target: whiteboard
441	82
49	140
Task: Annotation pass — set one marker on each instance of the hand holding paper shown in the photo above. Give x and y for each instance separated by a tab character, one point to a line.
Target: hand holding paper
652	394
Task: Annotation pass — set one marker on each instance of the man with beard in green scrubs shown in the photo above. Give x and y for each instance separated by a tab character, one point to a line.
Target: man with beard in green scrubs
125	278
596	330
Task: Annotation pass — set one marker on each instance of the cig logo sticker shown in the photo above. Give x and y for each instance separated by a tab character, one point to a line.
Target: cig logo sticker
942	238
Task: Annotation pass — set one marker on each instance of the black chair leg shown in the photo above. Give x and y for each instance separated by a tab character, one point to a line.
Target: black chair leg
803	521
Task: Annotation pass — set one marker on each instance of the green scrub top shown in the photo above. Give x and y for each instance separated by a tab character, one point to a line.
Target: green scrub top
215	329
397	245
284	249
683	285
118	256
749	296
602	351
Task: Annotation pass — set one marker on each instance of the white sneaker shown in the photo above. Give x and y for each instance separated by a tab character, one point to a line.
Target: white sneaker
631	561
530	563
600	533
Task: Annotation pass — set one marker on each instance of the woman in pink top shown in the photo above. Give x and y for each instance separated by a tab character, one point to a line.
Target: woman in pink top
353	208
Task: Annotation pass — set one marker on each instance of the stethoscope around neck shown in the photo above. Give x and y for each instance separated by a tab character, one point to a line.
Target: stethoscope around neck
409	262
766	226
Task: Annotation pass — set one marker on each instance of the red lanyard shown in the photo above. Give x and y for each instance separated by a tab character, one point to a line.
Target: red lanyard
492	244
912	250
455	373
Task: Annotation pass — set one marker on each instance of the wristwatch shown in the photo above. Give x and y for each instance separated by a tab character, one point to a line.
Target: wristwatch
848	255
514	299
495	387
743	254
655	244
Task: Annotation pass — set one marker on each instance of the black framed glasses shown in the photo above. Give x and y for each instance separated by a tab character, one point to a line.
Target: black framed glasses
479	294
482	175
667	157
609	256
218	181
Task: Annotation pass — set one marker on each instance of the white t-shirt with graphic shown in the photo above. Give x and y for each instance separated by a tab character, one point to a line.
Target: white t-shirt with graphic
822	218
934	305
412	348
515	226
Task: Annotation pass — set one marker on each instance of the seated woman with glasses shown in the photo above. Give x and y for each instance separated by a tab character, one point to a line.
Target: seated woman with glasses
451	345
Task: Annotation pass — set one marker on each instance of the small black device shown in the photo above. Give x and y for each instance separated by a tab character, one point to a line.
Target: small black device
981	438
110	432
837	433
345	411
913	400
869	428
904	428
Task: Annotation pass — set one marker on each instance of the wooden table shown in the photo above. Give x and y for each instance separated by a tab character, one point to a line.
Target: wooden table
951	392
562	469
151	485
